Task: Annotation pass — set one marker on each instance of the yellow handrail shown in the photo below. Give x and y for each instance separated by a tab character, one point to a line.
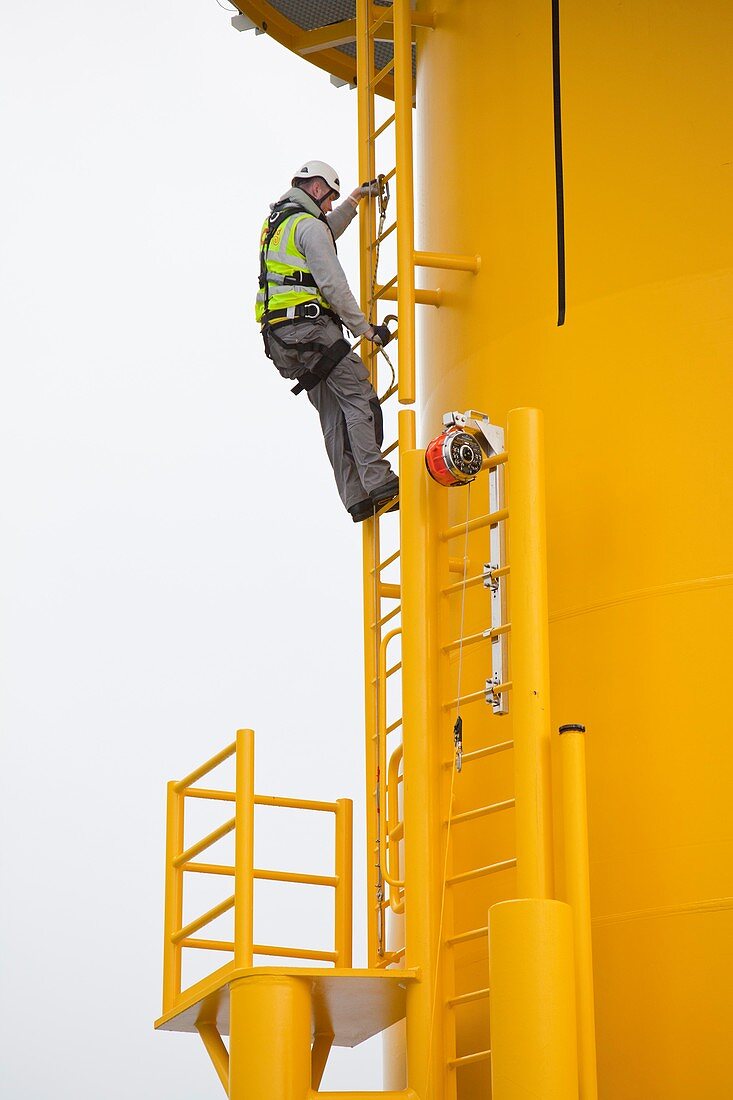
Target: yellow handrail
178	936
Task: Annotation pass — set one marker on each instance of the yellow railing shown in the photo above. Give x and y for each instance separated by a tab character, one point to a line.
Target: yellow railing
181	861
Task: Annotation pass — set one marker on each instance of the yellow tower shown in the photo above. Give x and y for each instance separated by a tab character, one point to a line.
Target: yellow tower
563	193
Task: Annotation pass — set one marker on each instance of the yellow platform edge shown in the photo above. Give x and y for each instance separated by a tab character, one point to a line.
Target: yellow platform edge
352	1004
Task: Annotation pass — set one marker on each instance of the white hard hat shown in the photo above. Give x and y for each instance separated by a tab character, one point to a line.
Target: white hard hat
318	169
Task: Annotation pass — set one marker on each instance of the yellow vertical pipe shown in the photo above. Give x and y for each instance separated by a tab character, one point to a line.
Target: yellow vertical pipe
270	1038
422	771
406	429
365	119
367	169
405	203
577	890
529	658
216	1050
244	810
532	1003
173	898
344	874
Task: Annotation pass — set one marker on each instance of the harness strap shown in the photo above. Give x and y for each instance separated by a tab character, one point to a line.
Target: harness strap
331	356
321	369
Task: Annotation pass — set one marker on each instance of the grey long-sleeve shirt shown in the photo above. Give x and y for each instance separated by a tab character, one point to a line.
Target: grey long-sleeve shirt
313	239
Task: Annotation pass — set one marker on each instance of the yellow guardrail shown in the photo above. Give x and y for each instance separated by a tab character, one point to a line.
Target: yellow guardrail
181	861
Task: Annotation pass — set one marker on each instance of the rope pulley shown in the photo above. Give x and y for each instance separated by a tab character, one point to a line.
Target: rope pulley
453	458
457	455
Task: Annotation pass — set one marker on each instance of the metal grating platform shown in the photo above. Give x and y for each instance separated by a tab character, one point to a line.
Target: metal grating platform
311	15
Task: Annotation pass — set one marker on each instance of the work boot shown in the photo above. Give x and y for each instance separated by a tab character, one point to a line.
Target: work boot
385	492
364	509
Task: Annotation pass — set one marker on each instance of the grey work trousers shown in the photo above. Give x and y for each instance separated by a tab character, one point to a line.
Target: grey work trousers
346	403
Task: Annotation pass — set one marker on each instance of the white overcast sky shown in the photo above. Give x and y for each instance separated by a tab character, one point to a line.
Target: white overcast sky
175	559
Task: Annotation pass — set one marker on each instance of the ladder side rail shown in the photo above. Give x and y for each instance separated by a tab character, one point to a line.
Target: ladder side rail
372	605
403	85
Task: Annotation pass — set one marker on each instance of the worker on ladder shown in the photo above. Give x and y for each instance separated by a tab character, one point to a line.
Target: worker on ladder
303	303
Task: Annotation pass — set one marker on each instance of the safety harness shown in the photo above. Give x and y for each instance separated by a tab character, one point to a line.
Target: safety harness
332	354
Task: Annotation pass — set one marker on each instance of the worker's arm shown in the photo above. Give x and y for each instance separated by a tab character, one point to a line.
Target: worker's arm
313	239
342	216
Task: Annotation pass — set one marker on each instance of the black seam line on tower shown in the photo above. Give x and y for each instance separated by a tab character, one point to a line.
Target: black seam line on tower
559	185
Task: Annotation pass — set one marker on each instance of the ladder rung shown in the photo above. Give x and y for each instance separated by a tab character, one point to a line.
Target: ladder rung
482	811
466	937
383	236
470	639
489	520
398	832
392	447
378	77
458	585
472	698
469	1059
386	618
390	393
389	591
391	671
481	872
391	728
382	128
387	561
383	289
466	998
489	750
391	174
379	21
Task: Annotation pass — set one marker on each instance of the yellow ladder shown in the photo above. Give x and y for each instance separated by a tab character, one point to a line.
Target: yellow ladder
386	35
387	70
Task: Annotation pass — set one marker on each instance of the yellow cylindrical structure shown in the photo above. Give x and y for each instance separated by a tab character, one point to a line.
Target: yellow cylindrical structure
270	1038
530	672
533	1040
636	388
577	894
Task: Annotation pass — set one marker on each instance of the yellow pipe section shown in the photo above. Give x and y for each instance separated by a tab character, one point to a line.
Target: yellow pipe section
403	83
270	1038
529	658
244	849
577	892
216	1050
173	898
294	953
209	766
391	293
445	262
204	919
206	842
343	920
319	1057
532	1001
421	809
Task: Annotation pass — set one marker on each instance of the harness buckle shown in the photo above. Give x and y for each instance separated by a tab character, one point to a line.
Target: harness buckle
312	305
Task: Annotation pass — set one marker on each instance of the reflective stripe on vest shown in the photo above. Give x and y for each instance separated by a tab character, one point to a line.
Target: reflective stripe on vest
284	259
